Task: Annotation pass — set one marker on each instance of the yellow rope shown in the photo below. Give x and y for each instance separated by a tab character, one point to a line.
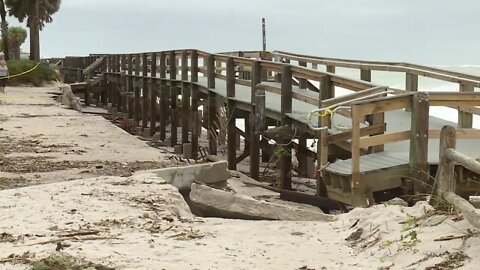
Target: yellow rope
22	73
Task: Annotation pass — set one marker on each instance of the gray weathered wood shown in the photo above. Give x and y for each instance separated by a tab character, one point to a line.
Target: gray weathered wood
419	168
254	136
231	121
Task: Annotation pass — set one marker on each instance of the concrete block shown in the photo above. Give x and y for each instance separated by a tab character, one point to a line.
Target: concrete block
224	204
178	149
139	130
109	107
183	178
187	150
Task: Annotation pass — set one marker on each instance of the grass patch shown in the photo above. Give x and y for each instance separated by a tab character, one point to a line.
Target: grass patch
37	77
66	262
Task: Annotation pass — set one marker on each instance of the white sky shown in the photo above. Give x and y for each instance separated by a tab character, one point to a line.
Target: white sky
441	32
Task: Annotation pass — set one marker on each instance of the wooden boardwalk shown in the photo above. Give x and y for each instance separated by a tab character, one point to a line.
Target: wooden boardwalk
381	139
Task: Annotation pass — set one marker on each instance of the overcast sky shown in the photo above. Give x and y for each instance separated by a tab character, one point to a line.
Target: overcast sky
440	32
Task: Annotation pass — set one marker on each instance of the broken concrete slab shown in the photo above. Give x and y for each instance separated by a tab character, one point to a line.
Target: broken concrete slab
219	203
208	173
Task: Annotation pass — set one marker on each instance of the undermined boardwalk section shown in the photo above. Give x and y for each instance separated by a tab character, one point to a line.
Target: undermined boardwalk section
361	148
83	202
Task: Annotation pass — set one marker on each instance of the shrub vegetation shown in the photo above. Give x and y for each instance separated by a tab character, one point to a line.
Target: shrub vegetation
37	77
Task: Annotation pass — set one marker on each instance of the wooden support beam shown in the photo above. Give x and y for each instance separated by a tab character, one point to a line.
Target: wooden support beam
137	109
327	91
145	91
465	119
286	107
254	136
153	95
173	112
137	64
302	155
163	97
186	93
302	83
419	170
231	121
172	65
130	73
195	94
211	71
356	118
212	127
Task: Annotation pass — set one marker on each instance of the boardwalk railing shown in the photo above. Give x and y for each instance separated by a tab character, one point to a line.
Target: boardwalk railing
446	179
466	82
160	89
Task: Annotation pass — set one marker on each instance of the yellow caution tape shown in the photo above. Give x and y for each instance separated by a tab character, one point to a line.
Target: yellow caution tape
22	73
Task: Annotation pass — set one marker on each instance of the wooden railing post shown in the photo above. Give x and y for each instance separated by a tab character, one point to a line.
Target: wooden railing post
163	96
355	143
195	122
173	99
286	107
411	84
231	125
121	84
211	71
419	169
302	83
186	92
130	87
326	92
153	94
254	136
445	177
465	119
375	119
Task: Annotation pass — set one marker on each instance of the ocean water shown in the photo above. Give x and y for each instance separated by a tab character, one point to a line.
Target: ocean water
397	80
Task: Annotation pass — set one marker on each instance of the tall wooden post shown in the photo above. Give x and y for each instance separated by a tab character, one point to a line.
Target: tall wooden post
153	95
419	170
195	98
375	119
211	110
173	99
163	97
254	137
186	89
211	71
327	90
231	121
302	83
145	91
130	87
465	119
286	107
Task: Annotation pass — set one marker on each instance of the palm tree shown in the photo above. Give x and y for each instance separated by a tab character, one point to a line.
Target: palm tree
3	14
16	37
37	13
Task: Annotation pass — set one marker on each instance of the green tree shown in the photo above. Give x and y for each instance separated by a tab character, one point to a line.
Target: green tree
3	15
37	13
16	37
